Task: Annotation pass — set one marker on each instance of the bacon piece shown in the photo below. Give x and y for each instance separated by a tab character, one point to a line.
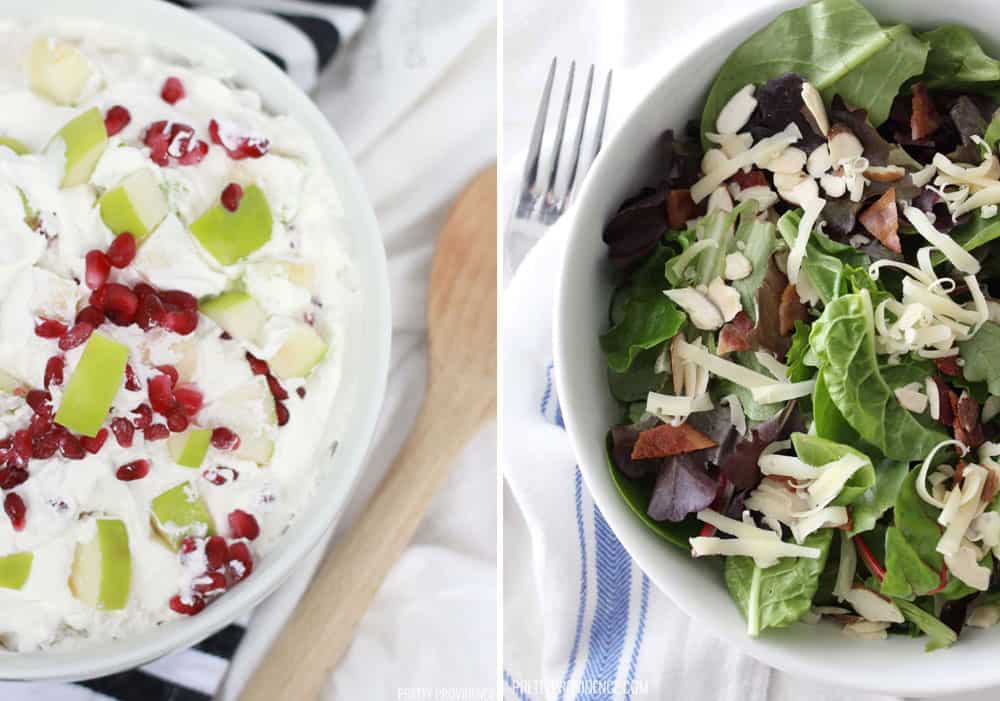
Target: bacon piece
755	178
680	208
948	366
990	487
666	440
946	400
965	420
925	120
790	310
735	336
881	220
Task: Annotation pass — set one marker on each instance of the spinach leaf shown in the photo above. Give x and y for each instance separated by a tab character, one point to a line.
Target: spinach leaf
759	242
800	364
781	594
827	43
981	354
639	379
825	261
830	423
992	134
889	476
637	494
843	340
648	316
912	562
817	451
977	231
939	635
956	58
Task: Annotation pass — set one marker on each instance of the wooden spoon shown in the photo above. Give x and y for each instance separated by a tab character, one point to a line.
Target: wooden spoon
461	395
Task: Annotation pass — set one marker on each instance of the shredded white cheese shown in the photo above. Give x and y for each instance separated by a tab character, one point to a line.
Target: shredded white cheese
782	391
723	368
956	255
669	406
811	209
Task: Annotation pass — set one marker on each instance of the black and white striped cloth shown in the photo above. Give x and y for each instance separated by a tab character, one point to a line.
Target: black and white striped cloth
302	37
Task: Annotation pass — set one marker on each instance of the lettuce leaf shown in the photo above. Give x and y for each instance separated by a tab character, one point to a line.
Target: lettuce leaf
912	562
981	354
817	451
843	341
956	59
826	262
889	476
837	45
939	635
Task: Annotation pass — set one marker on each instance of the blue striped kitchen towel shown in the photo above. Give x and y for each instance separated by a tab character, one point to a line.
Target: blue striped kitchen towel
302	37
581	621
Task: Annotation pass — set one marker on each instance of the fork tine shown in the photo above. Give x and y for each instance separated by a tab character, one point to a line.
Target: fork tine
604	113
526	201
557	143
578	142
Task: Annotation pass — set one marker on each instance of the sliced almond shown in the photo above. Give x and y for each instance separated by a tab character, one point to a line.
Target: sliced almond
833	185
873	607
804	191
786	181
844	145
738	266
885	174
765	196
725	298
713	159
699	308
815	108
791	160
735	144
819	161
720	200
677	364
737	111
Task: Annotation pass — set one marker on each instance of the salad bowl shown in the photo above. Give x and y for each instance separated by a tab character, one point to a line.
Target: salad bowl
898	665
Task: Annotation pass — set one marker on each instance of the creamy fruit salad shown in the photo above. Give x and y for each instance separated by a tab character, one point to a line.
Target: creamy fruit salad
172	296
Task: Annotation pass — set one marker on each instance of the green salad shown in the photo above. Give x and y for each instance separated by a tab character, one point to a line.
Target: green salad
804	335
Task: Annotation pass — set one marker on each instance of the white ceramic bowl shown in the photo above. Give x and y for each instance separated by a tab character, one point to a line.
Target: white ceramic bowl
898	665
365	361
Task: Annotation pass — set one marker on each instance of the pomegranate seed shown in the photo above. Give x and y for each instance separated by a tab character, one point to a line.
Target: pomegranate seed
11	477
71	447
216	552
46	445
118	298
22	444
50	328
282	411
131	381
97	298
143	290
39	424
13	504
243	525
94	445
161	396
220	474
177	421
121	252
179	300
173	90
151	312
182	322
190	607
238	147
240	563
7	443
145	416
76	336
156	432
171	372
168	140
190	398
40	402
124	431
135	470
225	439
231	196
116	119
188	545
54	370
195	154
98	269
258	366
92	315
301	391
11	458
277	391
210	583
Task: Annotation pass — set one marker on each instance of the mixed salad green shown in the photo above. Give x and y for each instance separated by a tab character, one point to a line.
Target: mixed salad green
805	335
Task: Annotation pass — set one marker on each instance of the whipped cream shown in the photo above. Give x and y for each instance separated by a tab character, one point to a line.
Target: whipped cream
43	276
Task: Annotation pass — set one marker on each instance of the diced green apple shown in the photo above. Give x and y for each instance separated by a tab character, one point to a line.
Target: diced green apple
189	448
14	145
299	354
180	512
93	386
137	205
57	70
230	236
237	313
85	138
14	570
102	569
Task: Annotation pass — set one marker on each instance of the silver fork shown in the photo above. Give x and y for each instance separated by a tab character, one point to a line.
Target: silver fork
540	202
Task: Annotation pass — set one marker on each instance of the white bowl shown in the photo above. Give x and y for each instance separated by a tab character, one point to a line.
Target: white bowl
365	361
898	665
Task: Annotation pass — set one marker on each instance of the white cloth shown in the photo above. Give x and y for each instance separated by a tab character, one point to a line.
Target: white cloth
576	608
